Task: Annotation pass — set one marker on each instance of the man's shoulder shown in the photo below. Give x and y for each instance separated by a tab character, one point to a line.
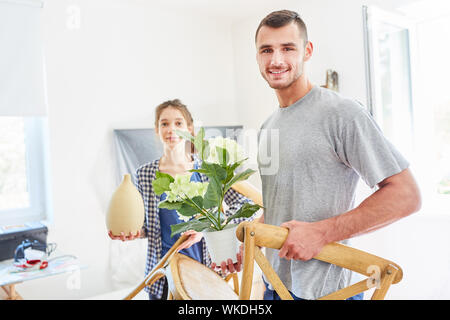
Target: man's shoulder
337	105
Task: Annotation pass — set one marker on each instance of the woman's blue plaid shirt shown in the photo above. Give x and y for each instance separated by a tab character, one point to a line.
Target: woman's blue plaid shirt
145	174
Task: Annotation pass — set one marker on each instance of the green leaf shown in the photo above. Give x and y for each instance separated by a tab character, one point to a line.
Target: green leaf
230	170
213	193
199	142
214	214
223	156
185	134
197	225
237	164
198	201
214	171
199	171
246	211
206	149
160	174
239	177
219	172
161	185
188	210
170	205
222	218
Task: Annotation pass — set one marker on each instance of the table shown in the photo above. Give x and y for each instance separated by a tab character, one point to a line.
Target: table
58	263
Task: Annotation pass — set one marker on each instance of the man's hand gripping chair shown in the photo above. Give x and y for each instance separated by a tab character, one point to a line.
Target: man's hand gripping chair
189	279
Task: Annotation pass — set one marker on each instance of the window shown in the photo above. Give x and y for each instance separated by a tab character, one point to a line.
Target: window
24	191
389	67
408	70
441	133
434	68
13	172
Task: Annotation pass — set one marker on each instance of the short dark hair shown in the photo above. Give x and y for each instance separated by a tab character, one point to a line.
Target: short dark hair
278	19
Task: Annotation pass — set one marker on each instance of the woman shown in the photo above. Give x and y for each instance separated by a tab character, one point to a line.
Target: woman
178	158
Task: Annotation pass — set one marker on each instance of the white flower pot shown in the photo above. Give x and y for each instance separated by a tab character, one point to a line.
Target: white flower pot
222	245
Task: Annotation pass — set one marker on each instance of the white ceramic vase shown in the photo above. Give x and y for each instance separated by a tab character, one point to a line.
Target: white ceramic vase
222	245
126	210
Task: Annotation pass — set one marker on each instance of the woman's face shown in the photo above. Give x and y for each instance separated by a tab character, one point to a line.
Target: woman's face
171	119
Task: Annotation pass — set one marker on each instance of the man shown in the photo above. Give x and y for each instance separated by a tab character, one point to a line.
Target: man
326	142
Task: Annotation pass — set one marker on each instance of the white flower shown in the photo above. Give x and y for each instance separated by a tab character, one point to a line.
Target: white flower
235	151
184	218
183	188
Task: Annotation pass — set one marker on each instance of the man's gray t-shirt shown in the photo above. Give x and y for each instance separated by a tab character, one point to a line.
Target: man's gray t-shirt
318	148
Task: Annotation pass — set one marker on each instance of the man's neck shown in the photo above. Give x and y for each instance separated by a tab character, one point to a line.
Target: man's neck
294	92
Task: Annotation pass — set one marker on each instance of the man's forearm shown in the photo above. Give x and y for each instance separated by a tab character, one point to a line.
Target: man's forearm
394	200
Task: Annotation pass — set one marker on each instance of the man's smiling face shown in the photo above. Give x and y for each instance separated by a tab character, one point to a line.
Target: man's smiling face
280	55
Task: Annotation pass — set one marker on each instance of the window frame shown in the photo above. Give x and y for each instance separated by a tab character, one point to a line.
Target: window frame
371	17
433	203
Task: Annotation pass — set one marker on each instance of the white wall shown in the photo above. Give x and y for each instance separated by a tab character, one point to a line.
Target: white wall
125	58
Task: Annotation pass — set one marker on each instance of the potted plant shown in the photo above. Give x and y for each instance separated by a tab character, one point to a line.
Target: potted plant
200	204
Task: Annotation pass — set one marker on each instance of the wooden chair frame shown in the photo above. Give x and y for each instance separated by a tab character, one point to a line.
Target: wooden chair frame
380	272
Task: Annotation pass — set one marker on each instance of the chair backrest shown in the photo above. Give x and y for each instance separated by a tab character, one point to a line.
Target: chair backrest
381	273
188	279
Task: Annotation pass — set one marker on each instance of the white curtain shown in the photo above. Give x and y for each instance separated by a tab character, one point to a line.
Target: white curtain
22	67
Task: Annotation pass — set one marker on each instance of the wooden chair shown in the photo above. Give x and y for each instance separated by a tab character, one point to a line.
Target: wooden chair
189	279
